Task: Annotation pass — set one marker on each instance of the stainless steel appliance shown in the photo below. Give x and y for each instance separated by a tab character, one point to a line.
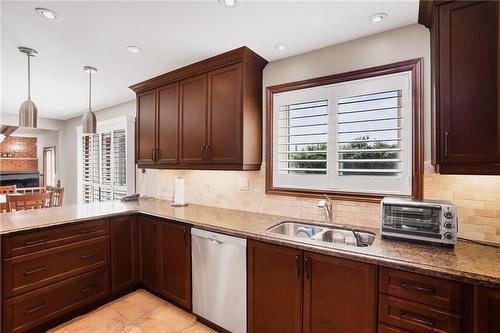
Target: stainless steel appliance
422	220
220	279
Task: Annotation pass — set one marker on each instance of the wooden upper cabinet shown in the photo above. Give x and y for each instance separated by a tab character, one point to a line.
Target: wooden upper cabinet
193	124
208	115
146	128
339	295
224	108
168	124
274	288
175	262
465	55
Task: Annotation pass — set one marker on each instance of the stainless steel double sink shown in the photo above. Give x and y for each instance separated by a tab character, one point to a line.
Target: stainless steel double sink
323	234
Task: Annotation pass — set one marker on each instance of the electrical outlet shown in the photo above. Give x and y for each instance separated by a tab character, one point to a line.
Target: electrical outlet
243	184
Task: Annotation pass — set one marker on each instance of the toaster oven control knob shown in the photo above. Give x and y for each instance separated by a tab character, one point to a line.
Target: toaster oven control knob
448	225
448	214
448	235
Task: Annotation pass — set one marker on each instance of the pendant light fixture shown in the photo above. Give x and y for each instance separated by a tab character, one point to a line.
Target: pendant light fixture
89	119
28	113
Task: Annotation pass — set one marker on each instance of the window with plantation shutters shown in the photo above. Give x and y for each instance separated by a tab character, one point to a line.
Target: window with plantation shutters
354	136
104	164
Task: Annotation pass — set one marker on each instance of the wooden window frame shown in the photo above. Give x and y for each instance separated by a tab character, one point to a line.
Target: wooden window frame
415	67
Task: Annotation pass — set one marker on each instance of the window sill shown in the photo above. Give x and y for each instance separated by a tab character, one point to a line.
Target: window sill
359	197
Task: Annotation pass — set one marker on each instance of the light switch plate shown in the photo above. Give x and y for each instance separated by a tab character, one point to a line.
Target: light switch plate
243	184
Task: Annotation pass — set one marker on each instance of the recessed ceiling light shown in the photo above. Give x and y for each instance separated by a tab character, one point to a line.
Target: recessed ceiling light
133	49
228	3
47	13
376	18
280	47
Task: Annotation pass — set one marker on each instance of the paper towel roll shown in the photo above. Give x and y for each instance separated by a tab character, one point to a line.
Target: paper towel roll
179	192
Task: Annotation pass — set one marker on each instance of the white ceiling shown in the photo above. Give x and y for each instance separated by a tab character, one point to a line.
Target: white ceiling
171	34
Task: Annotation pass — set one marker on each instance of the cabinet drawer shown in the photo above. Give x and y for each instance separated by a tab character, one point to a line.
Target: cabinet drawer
416	317
38	307
52	237
35	270
388	329
441	293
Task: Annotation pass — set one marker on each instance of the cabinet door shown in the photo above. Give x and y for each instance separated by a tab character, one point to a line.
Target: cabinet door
193	136
468	83
146	128
175	262
123	252
168	124
224	115
339	295
487	310
148	252
274	288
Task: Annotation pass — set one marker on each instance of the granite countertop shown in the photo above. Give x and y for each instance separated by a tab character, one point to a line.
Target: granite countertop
467	262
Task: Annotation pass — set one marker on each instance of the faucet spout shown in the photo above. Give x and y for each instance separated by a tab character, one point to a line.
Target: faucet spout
327	205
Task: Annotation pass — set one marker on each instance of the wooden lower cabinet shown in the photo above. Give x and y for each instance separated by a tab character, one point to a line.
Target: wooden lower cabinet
486	310
274	288
35	308
293	291
124	248
339	295
175	262
148	252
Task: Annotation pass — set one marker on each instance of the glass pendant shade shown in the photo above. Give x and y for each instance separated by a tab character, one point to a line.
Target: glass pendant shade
28	112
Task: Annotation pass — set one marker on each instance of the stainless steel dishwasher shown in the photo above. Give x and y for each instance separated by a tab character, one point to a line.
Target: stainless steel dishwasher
220	279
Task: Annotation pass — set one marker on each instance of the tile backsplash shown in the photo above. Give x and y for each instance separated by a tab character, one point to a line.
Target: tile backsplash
477	198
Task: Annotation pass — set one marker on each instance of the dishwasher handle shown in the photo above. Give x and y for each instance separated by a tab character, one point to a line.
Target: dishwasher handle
215	241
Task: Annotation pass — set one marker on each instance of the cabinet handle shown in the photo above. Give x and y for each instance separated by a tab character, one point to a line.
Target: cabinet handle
88	288
446	135
38	241
308	267
157	157
417	319
297	265
36	270
155	227
207	151
36	308
185	237
93	254
87	231
202	152
421	290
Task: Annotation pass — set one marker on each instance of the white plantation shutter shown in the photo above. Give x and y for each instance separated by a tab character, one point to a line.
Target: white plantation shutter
301	139
104	166
349	137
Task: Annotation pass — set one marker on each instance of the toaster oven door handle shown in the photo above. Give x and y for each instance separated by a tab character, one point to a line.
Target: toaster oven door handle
421	290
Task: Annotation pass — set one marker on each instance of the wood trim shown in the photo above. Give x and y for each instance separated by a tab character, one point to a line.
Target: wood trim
416	68
225	59
425	12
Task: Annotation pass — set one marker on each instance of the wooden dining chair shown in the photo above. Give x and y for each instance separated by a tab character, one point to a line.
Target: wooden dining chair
27	201
8	189
57	195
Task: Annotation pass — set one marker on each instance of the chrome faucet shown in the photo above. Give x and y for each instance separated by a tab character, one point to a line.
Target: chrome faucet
327	205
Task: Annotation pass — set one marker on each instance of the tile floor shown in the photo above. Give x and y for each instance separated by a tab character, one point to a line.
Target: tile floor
137	312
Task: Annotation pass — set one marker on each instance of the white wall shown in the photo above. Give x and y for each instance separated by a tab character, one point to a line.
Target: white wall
69	147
